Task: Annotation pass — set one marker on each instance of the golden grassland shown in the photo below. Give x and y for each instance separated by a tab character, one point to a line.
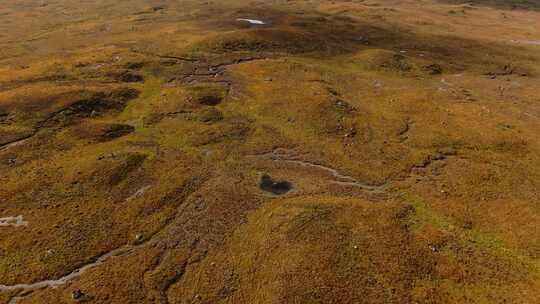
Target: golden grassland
136	133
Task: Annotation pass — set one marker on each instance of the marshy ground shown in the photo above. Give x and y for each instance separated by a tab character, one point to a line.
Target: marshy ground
269	151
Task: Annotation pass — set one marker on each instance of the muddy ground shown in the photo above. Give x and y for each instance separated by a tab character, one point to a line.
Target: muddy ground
269	151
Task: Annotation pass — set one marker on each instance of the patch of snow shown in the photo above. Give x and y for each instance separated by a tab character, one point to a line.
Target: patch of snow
251	21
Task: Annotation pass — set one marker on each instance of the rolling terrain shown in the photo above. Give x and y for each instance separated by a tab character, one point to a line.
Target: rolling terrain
360	151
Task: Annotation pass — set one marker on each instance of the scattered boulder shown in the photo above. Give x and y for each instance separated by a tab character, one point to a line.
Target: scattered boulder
77	294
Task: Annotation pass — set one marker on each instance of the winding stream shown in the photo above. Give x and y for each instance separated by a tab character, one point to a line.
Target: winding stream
282	155
29	288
